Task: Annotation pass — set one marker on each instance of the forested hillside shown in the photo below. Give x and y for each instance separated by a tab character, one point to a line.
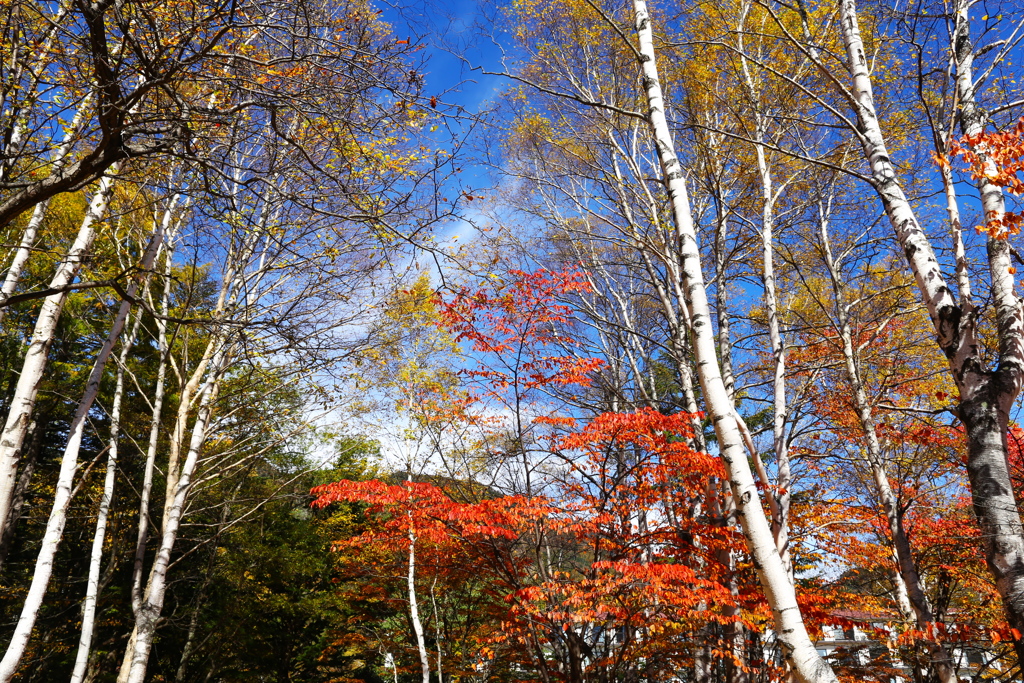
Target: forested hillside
571	341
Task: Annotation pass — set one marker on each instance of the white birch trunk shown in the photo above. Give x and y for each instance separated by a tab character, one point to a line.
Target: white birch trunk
781	491
796	645
414	610
148	606
35	222
42	53
93	582
30	462
154	434
92	585
986	395
136	658
936	295
911	597
437	632
722	298
34	365
62	498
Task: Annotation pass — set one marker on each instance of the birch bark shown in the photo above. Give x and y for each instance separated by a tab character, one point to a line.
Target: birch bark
414	610
154	434
28	237
204	383
909	586
92	586
796	645
136	657
168	230
783	483
62	498
769	195
986	395
23	402
21	489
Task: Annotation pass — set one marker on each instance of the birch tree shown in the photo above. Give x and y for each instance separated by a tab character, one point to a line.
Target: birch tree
20	414
168	225
58	515
779	590
859	314
686	300
986	394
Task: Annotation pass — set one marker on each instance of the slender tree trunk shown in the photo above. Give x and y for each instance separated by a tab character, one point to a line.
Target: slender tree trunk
722	297
148	606
34	365
35	222
780	493
735	634
908	585
414	611
42	53
62	498
986	396
21	489
437	632
154	432
190	643
93	582
797	646
136	657
783	482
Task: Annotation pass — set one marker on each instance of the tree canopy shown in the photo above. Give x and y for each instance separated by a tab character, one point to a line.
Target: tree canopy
573	341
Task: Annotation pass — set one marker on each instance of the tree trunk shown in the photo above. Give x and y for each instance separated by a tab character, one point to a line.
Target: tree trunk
986	396
781	490
148	606
722	297
34	365
136	656
154	432
93	582
986	410
21	489
414	611
797	646
28	237
62	498
780	493
909	587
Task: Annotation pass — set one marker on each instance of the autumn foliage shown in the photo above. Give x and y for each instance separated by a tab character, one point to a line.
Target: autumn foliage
999	159
518	325
613	565
619	559
633	560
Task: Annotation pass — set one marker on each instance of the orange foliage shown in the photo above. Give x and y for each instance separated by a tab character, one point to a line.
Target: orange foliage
636	561
511	318
999	158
